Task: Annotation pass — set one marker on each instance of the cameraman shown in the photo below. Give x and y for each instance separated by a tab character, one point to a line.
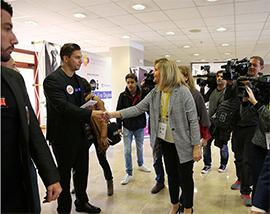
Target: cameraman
243	133
216	97
261	156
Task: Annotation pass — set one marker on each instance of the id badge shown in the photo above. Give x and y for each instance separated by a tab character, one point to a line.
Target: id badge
267	136
162	130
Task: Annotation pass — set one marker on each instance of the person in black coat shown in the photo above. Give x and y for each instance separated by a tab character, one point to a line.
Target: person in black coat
64	91
23	143
132	126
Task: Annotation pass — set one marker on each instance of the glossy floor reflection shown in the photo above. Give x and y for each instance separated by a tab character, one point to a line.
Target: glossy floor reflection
212	191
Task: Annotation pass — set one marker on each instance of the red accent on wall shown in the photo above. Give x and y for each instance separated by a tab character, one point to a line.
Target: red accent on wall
35	77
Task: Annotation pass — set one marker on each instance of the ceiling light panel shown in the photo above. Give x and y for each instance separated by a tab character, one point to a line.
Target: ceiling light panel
79	15
221	29
138	7
170	33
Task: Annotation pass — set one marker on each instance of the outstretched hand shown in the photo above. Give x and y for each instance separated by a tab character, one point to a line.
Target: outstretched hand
100	115
108	115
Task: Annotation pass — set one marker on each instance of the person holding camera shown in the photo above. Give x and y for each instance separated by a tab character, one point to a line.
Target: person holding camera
215	99
132	126
243	132
260	149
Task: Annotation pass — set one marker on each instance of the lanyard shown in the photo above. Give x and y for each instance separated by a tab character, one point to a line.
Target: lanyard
164	104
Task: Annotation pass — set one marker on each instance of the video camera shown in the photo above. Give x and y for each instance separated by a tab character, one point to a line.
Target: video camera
149	83
208	79
235	68
259	85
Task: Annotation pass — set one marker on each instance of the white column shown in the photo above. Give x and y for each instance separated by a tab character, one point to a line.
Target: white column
122	59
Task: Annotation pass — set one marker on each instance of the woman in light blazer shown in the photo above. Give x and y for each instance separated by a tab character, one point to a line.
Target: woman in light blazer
174	129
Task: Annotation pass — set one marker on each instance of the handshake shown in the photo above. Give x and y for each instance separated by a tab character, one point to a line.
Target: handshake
105	115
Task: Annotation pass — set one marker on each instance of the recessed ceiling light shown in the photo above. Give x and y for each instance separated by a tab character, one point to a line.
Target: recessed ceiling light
30	22
178	60
167	55
221	29
212	0
196	54
225	44
125	37
202	60
138	7
194	30
79	15
87	40
186	46
170	33
227	53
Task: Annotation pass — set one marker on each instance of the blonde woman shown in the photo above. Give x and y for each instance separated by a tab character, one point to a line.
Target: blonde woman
203	117
174	129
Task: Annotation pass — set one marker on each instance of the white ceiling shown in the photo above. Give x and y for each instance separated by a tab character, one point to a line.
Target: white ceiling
247	21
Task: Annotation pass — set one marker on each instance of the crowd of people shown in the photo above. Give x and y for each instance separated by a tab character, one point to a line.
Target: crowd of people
180	128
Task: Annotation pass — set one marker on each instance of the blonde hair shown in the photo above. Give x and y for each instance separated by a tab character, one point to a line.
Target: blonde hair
170	77
188	74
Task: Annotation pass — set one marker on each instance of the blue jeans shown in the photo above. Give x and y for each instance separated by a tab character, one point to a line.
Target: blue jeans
207	158
127	137
158	166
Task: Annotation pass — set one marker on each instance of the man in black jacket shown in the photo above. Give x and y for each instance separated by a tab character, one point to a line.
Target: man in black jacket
243	133
132	126
22	140
64	91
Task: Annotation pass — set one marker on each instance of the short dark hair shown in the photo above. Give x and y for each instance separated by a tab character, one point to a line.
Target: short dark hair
86	86
7	7
258	58
220	71
68	48
131	76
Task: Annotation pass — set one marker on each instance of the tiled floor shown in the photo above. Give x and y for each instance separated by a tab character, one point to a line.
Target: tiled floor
212	191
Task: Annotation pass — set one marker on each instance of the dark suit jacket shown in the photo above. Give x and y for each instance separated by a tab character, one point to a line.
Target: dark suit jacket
32	144
65	119
261	198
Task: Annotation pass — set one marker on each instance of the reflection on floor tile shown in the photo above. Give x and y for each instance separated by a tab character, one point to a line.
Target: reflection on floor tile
212	191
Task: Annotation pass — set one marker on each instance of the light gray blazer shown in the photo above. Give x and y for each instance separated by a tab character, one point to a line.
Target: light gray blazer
183	120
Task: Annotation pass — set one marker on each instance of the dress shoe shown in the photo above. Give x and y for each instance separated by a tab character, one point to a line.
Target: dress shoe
157	188
87	207
109	187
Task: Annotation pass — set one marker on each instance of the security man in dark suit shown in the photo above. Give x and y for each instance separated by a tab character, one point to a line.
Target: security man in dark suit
22	141
64	91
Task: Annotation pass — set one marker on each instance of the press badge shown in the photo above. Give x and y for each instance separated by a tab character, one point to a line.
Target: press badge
162	127
267	137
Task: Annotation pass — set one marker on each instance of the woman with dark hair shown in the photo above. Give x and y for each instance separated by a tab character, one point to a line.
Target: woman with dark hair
98	136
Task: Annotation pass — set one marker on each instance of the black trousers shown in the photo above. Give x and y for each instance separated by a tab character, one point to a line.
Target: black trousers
241	146
76	158
258	155
179	176
262	194
103	162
